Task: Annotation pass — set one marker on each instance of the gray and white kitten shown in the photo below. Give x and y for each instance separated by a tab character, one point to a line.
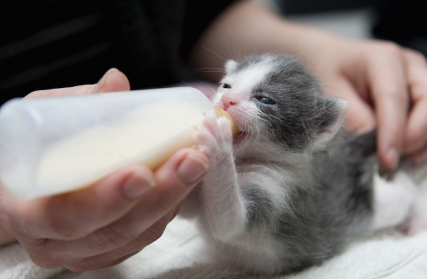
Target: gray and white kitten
292	189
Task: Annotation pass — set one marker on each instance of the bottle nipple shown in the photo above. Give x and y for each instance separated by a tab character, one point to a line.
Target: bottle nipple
220	112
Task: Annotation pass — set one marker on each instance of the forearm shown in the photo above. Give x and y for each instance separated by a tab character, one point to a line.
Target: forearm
247	27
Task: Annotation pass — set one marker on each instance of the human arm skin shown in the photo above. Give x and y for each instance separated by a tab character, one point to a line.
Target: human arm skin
384	83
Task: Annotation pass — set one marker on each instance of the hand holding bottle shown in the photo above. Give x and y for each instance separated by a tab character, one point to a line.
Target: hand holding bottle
108	222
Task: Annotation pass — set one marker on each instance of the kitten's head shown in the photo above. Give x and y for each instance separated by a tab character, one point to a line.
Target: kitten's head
275	97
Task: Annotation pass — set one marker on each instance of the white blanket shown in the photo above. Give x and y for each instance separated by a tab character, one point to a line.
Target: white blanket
180	254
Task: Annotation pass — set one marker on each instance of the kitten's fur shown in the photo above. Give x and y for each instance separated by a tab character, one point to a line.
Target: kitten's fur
292	189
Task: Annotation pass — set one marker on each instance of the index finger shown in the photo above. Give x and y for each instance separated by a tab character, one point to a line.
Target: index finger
416	134
389	91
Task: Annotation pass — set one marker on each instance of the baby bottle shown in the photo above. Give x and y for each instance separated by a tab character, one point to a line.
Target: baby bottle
55	145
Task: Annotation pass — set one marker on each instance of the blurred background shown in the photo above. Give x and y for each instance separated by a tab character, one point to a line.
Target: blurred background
403	22
41	49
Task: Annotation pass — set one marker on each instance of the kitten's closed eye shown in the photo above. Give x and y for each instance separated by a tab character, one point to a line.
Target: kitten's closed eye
226	86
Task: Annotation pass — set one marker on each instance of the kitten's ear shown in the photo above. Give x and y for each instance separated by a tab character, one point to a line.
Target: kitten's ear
230	66
332	120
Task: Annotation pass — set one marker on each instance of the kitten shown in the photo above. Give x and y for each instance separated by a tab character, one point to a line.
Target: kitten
293	188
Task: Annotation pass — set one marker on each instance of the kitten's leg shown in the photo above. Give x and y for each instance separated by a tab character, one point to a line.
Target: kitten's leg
393	200
418	219
417	222
224	207
192	204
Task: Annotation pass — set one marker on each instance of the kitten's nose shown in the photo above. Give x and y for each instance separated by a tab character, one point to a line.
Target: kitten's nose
227	101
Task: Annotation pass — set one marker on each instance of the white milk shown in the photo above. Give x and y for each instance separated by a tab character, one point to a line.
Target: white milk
142	136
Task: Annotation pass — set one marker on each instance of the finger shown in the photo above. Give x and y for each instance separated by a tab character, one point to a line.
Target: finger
360	116
113	257
174	180
388	86
60	255
112	81
416	135
77	214
94	263
420	157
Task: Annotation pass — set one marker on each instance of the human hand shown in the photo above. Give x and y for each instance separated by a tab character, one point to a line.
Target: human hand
106	223
386	86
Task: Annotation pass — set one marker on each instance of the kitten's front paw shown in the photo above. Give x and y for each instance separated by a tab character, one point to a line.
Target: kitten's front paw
215	138
414	225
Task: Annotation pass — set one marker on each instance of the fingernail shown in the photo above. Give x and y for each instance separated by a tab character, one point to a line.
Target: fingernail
136	185
393	157
100	84
191	169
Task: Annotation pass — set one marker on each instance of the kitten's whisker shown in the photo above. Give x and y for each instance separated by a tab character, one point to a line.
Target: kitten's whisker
217	54
210	70
236	54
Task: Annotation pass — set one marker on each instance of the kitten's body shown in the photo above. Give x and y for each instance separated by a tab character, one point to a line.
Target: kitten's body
292	189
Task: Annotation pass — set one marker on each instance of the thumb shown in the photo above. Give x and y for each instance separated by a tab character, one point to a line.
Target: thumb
112	81
176	178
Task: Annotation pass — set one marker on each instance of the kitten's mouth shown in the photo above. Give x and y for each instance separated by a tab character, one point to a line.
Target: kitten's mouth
239	135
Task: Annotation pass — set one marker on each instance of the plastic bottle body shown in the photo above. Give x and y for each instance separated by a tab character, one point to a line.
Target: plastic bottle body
55	145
